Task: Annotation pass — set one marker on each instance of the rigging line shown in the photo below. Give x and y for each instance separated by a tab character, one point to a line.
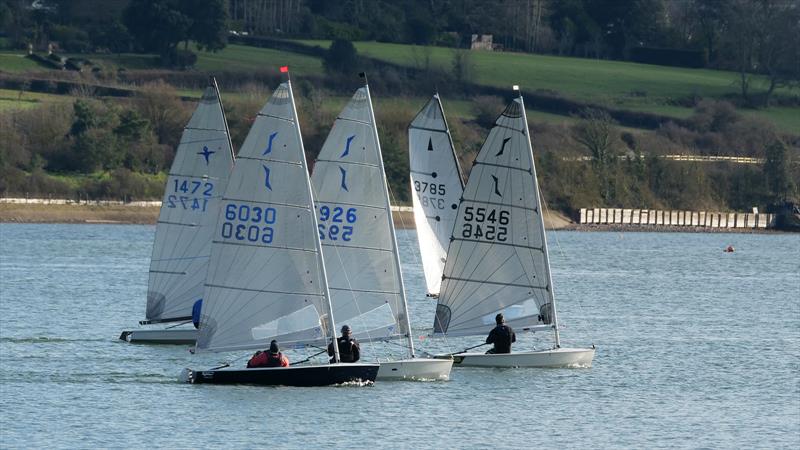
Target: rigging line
581	324
346	163
269	160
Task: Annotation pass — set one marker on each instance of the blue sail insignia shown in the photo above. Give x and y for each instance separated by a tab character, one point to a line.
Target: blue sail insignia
347	146
344	175
269	144
206	153
266	178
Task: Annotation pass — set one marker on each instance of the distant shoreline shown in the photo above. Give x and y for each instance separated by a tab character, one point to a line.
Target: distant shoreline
148	215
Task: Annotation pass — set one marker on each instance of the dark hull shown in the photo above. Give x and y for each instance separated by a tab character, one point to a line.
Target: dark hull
322	375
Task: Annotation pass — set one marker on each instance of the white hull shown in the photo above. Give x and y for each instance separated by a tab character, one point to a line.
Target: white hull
160	336
558	357
415	369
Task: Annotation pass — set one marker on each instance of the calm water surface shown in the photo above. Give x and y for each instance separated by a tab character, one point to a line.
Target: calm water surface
696	348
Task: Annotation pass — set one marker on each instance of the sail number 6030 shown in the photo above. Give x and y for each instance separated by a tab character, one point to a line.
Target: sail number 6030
246	223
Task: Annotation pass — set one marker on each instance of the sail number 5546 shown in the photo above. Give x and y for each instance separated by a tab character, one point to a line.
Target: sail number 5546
485	223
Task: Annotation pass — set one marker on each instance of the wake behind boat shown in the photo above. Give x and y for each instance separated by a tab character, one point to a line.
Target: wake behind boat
197	178
266	277
497	259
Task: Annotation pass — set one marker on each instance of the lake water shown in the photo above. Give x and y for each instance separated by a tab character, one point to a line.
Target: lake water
696	348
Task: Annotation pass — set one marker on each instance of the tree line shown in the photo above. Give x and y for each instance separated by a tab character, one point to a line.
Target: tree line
752	37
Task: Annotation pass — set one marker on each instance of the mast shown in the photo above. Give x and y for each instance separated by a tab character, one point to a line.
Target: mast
224	118
541	220
450	138
391	221
314	223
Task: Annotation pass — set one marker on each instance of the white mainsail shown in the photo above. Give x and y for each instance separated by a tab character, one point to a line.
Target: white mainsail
355	226
188	214
266	278
436	186
497	261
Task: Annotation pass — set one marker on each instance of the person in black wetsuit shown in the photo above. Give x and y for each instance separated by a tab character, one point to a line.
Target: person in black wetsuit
349	352
502	336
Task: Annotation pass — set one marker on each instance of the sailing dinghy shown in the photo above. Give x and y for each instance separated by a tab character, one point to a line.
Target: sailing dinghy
266	278
359	243
436	186
182	245
497	261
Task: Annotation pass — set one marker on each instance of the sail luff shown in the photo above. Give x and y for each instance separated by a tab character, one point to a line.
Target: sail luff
450	139
395	248
317	243
224	117
541	224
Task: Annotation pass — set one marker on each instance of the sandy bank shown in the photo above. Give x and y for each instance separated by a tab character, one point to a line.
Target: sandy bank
126	214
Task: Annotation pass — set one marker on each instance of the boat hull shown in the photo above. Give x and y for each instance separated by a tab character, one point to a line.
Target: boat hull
160	336
558	357
419	369
302	376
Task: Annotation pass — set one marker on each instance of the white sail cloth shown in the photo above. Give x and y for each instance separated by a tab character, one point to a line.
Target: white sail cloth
196	180
436	187
353	215
265	278
497	260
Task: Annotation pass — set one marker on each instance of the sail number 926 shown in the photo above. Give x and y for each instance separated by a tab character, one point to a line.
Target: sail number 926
428	193
336	223
485	223
248	223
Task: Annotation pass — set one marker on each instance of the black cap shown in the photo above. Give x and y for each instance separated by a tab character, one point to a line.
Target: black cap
273	347
499	318
345	329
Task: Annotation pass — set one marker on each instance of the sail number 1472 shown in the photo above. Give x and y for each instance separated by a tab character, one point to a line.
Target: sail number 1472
488	224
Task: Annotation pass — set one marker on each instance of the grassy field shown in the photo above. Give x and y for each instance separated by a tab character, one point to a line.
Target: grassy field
15	100
16	62
623	85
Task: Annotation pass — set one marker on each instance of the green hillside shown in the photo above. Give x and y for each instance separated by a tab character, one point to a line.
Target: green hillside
625	85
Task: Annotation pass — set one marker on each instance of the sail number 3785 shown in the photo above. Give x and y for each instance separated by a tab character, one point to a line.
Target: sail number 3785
485	223
429	194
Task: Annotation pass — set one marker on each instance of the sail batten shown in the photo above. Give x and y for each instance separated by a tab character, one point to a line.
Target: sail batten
436	186
497	261
199	173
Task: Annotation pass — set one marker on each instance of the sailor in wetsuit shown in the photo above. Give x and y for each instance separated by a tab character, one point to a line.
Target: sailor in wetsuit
349	352
272	358
501	336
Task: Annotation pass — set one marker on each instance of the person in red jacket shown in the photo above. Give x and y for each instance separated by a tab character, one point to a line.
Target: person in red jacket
271	358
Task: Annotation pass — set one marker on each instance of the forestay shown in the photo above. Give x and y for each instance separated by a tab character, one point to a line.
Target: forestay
353	218
265	279
497	261
188	214
437	186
